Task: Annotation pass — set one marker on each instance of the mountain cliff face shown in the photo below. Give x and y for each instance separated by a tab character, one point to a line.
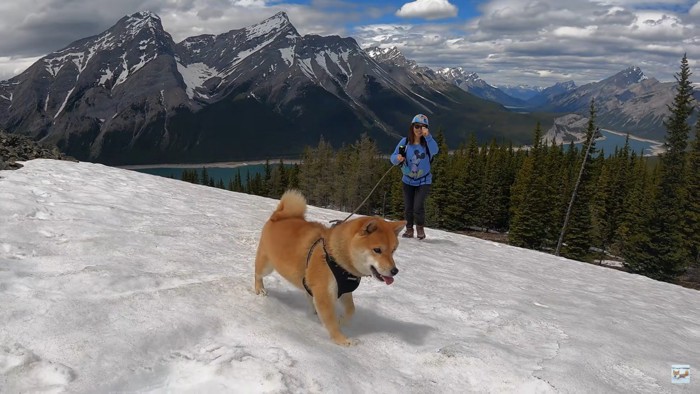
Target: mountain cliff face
131	95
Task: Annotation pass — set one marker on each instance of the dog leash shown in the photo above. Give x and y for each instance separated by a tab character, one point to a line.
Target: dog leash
337	221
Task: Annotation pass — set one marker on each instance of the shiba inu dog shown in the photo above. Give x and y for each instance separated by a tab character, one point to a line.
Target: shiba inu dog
326	263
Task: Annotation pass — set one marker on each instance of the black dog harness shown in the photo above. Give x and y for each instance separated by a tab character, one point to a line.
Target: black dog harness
347	282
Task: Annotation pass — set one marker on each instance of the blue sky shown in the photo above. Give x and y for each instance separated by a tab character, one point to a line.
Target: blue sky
534	42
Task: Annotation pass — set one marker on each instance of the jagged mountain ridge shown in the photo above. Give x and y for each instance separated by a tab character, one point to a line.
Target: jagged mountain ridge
131	95
392	59
472	83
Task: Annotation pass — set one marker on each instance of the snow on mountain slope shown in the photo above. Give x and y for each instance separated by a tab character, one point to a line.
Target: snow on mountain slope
113	280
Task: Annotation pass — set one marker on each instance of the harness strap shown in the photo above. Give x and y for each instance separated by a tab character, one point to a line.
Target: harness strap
308	257
346	282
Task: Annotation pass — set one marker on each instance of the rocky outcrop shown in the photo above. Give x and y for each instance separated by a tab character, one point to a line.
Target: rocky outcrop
14	148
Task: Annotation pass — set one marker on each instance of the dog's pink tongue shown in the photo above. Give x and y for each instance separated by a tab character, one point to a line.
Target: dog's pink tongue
388	279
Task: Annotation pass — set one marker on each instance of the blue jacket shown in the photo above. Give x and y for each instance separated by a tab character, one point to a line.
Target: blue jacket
416	167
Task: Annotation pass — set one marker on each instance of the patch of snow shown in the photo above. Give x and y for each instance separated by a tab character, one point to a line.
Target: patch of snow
194	75
60	109
287	55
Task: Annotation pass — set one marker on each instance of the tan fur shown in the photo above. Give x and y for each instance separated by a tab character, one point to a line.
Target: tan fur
285	242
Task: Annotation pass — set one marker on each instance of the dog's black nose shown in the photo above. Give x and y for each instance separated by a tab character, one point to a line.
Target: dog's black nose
394	271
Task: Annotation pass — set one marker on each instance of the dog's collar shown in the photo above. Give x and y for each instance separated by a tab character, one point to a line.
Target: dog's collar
347	282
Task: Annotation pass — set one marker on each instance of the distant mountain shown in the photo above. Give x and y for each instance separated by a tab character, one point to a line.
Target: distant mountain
628	101
521	92
566	129
547	95
470	82
131	95
404	70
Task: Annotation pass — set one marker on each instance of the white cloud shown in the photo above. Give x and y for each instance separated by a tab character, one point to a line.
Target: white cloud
9	67
574	32
695	10
428	9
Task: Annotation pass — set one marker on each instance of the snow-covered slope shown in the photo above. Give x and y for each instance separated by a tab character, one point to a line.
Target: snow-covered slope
118	281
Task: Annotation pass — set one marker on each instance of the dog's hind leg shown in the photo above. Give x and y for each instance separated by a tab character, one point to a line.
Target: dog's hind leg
349	306
262	269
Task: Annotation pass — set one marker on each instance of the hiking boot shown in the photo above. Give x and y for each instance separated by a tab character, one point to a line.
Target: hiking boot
421	233
408	233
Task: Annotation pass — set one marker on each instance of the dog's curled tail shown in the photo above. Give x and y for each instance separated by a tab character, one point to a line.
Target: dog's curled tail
292	205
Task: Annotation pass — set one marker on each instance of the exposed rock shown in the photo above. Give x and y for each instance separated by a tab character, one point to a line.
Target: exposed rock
14	148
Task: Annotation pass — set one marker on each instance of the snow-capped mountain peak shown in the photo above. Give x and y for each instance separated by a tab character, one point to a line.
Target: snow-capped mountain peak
390	55
140	20
143	26
635	73
459	75
384	53
629	76
270	26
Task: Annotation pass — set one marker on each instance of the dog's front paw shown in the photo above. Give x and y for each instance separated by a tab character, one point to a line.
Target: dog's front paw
345	341
261	291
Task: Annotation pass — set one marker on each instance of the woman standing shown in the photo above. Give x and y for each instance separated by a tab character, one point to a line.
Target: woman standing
415	152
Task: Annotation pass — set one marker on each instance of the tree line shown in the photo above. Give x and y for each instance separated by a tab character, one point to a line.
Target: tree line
645	210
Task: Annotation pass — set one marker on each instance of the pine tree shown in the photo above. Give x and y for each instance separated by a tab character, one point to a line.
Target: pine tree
266	184
473	174
489	205
434	214
284	179
293	177
396	207
454	209
693	189
668	246
317	172
370	168
529	224
633	231
609	197
205	176
577	232
238	182
556	183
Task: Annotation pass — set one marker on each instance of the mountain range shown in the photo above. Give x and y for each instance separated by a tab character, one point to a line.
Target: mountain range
131	95
628	101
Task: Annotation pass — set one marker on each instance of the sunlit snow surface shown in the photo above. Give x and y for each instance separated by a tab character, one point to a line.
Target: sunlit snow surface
117	281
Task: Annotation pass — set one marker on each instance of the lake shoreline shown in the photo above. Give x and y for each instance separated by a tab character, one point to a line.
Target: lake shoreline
222	164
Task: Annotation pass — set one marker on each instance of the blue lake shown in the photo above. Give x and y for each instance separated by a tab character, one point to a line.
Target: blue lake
610	141
226	174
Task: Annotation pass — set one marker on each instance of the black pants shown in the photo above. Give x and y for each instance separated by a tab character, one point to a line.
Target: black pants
414	204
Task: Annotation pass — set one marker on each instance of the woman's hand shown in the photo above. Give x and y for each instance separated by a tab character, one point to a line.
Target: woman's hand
425	131
399	158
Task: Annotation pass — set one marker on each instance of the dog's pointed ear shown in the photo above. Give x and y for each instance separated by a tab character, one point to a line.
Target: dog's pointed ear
398	226
370	227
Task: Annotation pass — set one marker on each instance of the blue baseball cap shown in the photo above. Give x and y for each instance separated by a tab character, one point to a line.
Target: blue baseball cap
420	118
